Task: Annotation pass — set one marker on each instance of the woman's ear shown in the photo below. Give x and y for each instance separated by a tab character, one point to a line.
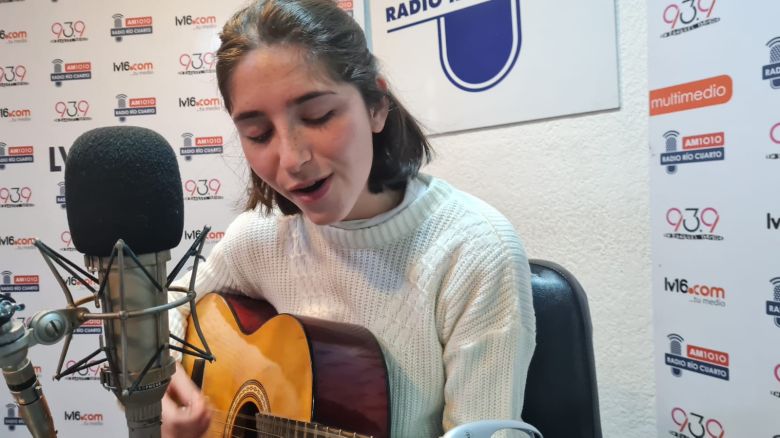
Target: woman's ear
378	114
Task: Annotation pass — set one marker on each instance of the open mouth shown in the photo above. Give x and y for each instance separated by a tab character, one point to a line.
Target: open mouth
312	188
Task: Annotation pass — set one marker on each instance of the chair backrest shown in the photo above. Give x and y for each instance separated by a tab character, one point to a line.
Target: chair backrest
561	398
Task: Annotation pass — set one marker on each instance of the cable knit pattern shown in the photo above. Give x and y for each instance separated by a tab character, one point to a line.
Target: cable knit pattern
444	285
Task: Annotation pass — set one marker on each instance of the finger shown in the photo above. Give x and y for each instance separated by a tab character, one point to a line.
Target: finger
198	404
173	393
170	409
198	413
181	387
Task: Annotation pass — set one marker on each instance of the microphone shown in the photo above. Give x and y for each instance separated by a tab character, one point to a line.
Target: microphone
19	372
125	198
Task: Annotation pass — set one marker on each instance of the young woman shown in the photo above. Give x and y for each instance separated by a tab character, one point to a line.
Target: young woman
341	226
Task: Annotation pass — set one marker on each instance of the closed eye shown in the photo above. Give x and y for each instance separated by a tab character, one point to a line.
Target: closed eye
319	120
262	138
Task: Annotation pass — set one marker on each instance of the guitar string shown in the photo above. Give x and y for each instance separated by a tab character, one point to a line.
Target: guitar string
323	433
319	433
267	415
249	417
248	429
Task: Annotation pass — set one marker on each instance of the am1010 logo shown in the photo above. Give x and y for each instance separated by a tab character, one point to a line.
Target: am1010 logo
16	197
70	71
204	189
693	425
700	360
89	327
13	76
137	106
10	282
205	145
693	223
695	149
130	26
687	15
15	155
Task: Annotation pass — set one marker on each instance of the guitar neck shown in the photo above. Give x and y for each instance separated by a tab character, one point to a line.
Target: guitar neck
293	428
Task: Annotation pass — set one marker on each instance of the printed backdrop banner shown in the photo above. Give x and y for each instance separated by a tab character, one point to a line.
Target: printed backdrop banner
475	63
69	66
714	76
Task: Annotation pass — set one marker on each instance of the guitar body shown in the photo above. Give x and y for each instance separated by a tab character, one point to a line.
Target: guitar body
302	375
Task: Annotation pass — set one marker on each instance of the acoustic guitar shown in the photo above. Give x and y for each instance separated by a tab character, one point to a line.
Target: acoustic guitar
285	375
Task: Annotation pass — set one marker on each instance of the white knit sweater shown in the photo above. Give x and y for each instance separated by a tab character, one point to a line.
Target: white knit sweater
443	284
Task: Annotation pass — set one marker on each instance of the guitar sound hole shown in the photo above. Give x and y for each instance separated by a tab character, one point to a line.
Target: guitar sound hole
245	425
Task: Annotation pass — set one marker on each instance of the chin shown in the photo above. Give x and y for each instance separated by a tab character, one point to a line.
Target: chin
323	218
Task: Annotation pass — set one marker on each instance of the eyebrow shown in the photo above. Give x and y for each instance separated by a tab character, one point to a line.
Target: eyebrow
297	101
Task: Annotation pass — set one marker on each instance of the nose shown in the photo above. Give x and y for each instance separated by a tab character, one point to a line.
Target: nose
294	151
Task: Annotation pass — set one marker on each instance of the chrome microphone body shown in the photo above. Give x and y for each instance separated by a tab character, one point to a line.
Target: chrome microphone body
125	213
142	351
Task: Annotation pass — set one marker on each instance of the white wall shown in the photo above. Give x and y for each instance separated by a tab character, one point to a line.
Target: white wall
576	189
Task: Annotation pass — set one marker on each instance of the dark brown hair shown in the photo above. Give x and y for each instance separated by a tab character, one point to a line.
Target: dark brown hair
330	37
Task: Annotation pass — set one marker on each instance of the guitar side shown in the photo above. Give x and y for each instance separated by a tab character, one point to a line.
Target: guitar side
300	368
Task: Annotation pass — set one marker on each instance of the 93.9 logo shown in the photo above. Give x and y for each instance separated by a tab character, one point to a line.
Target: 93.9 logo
197	63
85	372
15	197
693	223
12	75
68	31
72	111
687	15
202	189
695	425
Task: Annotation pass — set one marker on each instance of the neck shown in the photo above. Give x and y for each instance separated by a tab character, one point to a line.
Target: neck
373	204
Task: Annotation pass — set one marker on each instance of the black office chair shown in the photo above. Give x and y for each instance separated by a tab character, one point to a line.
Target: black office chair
561	398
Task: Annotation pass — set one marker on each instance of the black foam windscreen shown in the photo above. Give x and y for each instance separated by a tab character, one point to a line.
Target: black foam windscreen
123	182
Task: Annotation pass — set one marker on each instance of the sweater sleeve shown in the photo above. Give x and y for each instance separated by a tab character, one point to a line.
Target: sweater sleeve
488	327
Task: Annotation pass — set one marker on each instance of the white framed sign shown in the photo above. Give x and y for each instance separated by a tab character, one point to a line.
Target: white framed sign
476	63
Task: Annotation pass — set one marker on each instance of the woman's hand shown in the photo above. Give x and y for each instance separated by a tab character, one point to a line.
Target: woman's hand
186	413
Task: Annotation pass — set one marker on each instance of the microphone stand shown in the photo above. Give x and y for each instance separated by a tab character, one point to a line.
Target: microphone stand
18	371
50	326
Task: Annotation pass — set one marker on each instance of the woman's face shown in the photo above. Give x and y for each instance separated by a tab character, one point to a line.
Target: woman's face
306	136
